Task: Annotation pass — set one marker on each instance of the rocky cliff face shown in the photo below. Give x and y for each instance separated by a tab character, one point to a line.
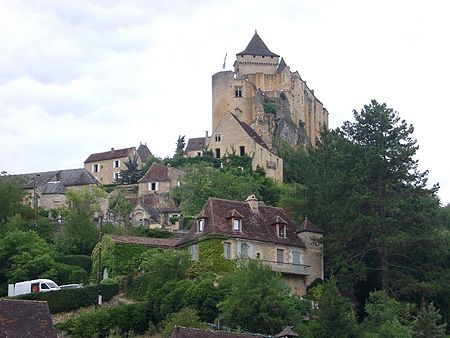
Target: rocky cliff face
274	120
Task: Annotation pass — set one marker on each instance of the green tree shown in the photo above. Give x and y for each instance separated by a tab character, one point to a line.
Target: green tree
79	233
257	300
428	323
132	174
186	317
120	208
336	317
181	144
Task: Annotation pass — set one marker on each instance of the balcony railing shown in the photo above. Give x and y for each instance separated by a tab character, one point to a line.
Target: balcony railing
288	268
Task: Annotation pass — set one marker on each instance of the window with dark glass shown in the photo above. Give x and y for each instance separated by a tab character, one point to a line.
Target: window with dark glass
237	91
242	150
217	152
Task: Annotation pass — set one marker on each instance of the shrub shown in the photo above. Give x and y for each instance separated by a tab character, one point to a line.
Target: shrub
99	323
68	274
72	299
78	260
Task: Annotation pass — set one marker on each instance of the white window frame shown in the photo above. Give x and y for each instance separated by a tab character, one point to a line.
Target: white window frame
279	227
96	166
237	224
200	225
118	164
116	175
217	137
150	186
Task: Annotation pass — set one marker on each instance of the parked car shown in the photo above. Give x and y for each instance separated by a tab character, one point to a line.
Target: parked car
71	286
32	286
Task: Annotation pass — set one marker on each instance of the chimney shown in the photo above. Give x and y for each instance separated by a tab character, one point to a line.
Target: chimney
252	202
112	149
206	134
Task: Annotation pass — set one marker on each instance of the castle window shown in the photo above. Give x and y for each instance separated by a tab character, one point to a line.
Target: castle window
217	152
116	164
236	224
153	186
217	137
200	225
237	91
242	150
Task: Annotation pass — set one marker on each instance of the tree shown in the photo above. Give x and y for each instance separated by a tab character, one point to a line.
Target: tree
132	174
11	195
257	300
181	144
79	233
336	317
186	317
366	192
119	207
428	323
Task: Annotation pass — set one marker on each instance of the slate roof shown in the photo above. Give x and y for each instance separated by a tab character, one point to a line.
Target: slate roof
54	188
256	46
144	153
256	225
195	144
252	133
308	226
25	319
150	210
281	66
68	177
184	332
148	241
109	155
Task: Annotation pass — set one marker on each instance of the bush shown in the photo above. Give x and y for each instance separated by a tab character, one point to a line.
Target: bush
78	260
68	274
99	323
72	299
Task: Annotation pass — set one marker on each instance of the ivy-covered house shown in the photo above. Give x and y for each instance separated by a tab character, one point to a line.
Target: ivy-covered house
226	231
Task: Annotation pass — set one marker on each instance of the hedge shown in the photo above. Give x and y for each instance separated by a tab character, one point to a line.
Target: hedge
125	319
78	260
72	299
70	274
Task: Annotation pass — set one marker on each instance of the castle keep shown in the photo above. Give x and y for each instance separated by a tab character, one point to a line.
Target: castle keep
265	94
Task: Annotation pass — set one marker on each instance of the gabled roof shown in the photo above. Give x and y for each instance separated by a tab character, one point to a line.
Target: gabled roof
68	177
185	332
54	188
148	241
287	332
144	153
150	210
195	144
109	155
281	66
25	319
159	173
256	225
251	132
308	226
256	46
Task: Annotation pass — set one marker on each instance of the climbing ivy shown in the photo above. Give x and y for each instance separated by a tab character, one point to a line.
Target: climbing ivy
210	258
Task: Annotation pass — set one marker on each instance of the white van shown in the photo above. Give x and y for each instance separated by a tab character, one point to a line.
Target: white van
32	286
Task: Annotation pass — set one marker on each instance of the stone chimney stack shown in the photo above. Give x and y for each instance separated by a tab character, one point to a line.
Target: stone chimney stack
252	202
112	149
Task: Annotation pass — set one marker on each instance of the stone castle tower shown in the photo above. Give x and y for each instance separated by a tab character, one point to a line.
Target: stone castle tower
264	93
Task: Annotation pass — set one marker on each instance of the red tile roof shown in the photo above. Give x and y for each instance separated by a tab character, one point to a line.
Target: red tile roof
156	173
256	225
109	155
25	319
184	332
148	241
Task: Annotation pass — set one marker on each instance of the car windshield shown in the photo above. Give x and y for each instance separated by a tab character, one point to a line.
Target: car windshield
52	285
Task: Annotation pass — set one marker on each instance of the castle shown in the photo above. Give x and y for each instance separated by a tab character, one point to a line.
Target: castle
269	102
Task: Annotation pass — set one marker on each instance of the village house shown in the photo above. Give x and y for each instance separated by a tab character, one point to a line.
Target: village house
187	332
106	166
48	189
253	230
159	179
196	146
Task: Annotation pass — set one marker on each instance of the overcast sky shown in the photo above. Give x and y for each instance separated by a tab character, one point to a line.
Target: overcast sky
79	77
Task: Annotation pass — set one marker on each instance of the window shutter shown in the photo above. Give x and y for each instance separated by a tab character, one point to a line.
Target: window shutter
250	250
238	249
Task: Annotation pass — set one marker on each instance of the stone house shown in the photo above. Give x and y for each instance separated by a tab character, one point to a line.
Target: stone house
265	94
159	179
233	136
253	230
106	166
150	213
196	146
187	332
51	186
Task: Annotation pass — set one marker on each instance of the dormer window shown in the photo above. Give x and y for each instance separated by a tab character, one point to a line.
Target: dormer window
200	225
236	224
281	230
